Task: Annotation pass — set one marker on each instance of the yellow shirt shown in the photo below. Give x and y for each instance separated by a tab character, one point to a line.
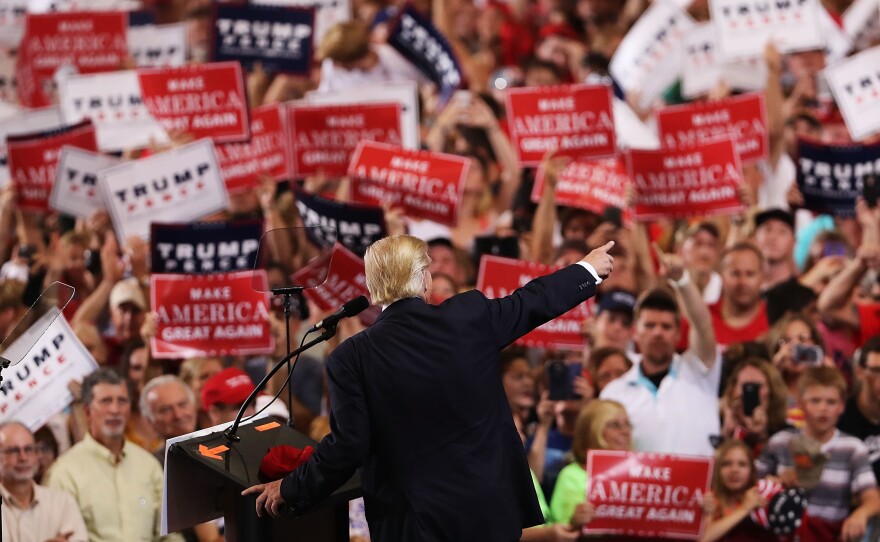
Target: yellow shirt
52	512
119	501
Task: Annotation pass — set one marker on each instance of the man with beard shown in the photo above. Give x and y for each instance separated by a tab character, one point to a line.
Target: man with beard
32	512
671	398
117	485
741	314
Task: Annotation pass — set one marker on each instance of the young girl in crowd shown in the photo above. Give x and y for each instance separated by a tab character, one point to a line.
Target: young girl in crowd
735	496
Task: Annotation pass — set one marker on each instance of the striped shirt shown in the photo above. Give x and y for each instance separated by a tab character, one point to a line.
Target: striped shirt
846	473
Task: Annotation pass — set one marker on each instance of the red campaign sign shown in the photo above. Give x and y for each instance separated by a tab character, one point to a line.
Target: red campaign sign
575	120
345	279
33	161
499	277
205	100
592	185
323	137
644	494
427	185
88	42
743	117
684	182
210	315
242	164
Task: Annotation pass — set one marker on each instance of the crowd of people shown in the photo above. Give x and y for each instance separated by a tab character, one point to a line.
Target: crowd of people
752	337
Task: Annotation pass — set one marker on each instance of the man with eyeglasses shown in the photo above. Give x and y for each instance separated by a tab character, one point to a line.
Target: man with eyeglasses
31	512
862	415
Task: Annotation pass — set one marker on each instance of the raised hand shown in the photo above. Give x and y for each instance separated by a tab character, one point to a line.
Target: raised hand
601	261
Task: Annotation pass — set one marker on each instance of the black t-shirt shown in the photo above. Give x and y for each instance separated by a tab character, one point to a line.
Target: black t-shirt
657	378
855	423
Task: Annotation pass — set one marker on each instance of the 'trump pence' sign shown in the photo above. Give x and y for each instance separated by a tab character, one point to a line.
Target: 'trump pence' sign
855	83
744	27
75	191
178	185
36	389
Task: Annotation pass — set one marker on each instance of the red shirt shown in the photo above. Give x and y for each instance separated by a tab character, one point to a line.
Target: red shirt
725	335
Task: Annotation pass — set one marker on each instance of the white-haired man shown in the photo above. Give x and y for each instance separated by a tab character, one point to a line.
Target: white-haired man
170	407
417	401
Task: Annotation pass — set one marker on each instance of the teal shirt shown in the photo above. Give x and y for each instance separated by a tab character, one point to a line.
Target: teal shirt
570	491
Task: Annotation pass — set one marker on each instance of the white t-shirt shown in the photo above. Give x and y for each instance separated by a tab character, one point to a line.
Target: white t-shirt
680	416
391	67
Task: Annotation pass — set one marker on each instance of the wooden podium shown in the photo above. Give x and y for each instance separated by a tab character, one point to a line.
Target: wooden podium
205	475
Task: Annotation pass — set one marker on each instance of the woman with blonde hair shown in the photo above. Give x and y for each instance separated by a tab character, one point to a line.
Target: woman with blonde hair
601	425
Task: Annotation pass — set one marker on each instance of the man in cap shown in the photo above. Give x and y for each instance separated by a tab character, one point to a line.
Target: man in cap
774	237
613	325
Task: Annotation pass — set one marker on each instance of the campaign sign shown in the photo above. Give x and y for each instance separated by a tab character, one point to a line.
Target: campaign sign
861	21
744	27
574	120
36	389
646	494
630	131
701	180
210	315
426	184
855	83
264	154
323	137
355	226
500	277
114	103
25	122
88	42
204	100
156	46
703	69
178	185
418	41
204	247
33	161
404	93
743	117
279	38
593	185
345	279
649	59
327	12
75	191
831	177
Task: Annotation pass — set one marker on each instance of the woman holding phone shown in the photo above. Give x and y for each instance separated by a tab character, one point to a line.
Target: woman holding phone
754	403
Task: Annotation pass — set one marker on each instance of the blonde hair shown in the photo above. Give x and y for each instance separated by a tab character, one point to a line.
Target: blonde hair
345	42
395	268
589	426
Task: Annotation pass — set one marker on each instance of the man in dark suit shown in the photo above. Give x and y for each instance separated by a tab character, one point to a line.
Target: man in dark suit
417	401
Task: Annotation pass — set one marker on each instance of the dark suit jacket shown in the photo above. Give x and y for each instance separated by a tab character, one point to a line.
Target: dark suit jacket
417	400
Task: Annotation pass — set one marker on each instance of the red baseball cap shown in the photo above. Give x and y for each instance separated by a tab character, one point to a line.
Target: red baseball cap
228	387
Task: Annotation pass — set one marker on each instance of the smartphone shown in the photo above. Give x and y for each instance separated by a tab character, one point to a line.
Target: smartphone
614	215
26	252
558	380
750	397
870	190
809	355
834	248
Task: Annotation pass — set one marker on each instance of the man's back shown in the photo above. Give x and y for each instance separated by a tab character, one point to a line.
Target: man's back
417	400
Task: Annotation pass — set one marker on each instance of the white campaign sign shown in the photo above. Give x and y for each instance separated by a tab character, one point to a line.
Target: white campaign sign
855	83
649	59
114	103
156	46
837	42
327	12
629	130
406	94
744	27
46	6
75	190
25	122
861	21
703	69
179	185
36	389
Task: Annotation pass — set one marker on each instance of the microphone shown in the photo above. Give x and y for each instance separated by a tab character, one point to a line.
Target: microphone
352	308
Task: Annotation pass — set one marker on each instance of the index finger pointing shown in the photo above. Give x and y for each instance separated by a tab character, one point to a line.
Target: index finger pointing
607	246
